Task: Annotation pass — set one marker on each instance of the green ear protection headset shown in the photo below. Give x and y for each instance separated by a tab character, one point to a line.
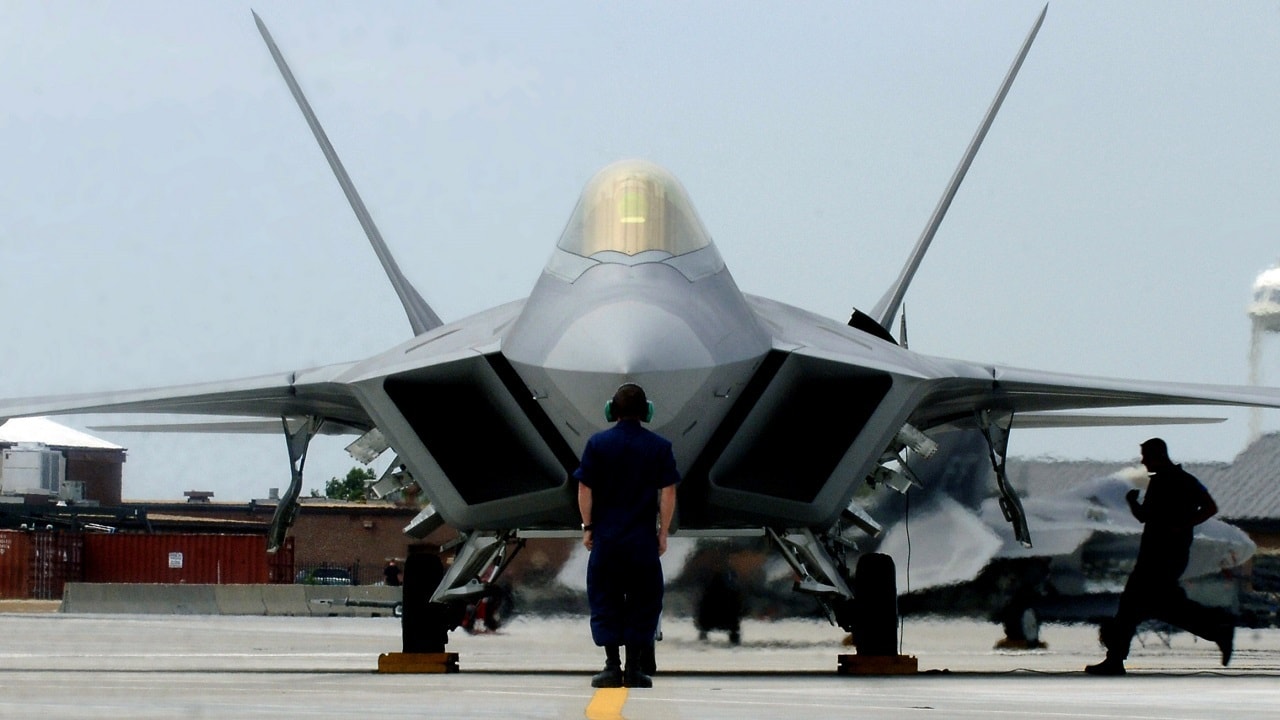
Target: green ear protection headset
611	417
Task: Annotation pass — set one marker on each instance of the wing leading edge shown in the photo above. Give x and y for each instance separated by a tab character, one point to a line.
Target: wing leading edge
306	393
1018	391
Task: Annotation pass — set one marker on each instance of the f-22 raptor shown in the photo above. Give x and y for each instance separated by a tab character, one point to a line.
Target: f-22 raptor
783	422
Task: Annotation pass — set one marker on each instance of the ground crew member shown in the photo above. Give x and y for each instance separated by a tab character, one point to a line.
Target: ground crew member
391	573
627	497
1175	503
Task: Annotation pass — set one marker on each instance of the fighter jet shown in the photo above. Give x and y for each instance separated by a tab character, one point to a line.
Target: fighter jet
963	558
784	423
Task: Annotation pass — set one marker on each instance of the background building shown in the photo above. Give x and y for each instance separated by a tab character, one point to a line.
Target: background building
42	461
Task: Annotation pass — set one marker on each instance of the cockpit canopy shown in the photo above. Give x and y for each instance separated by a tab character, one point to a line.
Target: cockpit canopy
634	213
631	207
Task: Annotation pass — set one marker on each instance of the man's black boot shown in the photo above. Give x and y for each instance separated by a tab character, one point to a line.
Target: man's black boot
639	657
1110	666
1226	642
609	677
1114	640
637	679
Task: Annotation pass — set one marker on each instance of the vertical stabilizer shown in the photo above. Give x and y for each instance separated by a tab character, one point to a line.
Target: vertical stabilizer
885	310
421	317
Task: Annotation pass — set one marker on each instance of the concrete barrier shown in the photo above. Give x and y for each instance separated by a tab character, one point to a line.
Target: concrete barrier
139	599
284	599
375	593
239	600
296	600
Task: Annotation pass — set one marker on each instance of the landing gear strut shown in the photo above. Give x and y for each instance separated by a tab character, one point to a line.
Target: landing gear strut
869	611
297	440
435	600
995	428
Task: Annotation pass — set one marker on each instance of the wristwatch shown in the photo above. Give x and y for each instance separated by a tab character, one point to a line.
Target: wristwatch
587	526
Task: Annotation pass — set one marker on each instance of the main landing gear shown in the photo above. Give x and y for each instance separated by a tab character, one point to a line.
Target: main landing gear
436	601
424	625
297	437
868	610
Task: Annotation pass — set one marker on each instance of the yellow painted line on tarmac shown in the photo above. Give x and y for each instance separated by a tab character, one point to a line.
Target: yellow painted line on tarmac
606	704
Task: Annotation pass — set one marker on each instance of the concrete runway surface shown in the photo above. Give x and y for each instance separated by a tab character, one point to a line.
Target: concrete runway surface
133	666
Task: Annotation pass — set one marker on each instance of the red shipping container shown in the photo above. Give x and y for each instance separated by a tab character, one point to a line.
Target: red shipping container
36	565
176	559
15	564
55	561
280	563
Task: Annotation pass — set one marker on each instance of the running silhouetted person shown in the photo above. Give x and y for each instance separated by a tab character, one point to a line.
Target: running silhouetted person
1175	503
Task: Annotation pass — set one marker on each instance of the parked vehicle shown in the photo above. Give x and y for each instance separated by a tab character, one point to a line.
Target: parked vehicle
325	576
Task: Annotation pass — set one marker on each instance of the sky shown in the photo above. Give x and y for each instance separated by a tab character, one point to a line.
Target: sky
166	217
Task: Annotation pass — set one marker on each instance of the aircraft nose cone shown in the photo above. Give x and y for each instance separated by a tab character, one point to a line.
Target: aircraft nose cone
629	336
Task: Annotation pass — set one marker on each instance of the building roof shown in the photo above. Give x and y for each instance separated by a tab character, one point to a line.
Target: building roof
1038	477
1247	488
47	432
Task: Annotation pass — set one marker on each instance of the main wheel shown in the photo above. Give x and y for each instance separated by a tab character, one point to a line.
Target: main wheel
424	626
875	605
1022	625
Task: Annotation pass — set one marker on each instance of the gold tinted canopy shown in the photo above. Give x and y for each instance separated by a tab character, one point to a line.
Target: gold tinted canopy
632	207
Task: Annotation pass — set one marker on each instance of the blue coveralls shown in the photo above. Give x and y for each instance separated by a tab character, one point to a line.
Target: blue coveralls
625	467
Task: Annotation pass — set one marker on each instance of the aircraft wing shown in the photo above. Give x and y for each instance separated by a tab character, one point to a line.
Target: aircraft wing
329	392
1081	420
952	391
315	393
954	400
224	427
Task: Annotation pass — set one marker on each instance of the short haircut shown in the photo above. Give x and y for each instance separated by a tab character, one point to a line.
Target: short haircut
630	402
1155	448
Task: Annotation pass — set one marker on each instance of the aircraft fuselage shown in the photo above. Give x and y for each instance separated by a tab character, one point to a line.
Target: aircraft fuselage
765	429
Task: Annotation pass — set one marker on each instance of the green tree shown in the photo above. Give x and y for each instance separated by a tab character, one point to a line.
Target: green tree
351	487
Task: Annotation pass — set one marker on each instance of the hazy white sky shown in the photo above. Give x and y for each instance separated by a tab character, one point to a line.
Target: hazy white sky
165	216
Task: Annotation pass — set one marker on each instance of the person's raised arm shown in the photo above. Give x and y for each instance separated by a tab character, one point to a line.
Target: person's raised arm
1136	507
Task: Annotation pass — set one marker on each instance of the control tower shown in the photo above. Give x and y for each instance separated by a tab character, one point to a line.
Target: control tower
1264	312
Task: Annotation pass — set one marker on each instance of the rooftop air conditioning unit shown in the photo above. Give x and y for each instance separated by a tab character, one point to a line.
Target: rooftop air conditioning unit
32	469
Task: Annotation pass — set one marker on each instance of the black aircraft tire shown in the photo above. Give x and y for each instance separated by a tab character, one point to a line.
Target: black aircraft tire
1022	625
423	624
875	597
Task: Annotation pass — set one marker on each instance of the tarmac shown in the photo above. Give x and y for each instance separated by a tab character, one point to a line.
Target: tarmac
58	665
